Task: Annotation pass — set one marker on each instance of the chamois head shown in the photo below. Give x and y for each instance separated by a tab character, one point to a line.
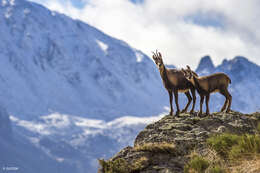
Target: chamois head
188	74
157	57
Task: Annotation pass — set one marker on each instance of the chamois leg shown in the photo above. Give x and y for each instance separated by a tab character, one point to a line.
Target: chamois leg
226	96
189	101
229	101
176	102
201	103
207	104
194	100
170	96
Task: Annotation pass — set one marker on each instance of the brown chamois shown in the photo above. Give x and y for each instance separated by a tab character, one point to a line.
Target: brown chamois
174	81
217	82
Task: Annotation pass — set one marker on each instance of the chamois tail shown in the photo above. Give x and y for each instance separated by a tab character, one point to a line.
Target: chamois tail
229	80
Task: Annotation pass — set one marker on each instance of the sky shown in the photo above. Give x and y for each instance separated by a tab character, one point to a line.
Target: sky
183	31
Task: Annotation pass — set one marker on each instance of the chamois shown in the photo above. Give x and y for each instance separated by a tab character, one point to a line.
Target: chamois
217	82
174	81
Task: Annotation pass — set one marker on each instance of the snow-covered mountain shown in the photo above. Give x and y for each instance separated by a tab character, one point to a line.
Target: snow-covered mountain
77	142
66	86
52	63
245	76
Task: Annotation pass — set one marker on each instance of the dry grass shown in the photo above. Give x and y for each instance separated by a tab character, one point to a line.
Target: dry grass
116	166
197	164
231	146
122	166
230	153
206	162
246	165
157	148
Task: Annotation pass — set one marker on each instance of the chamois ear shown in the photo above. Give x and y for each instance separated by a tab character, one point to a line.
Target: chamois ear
183	71
160	55
189	71
154	56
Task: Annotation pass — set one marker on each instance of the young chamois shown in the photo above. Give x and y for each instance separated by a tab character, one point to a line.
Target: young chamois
217	82
174	81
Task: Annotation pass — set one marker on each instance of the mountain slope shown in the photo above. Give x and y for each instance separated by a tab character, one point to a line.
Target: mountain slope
64	83
51	63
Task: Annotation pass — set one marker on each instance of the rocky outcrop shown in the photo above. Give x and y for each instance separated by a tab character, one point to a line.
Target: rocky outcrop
182	136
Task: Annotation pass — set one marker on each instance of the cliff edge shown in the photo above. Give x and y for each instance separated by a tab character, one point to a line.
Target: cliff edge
192	144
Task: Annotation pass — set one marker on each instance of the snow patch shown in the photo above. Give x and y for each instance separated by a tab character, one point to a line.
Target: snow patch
59	159
8	13
102	45
130	121
12	2
26	11
90	123
62	124
139	56
56	120
53	13
4	2
30	125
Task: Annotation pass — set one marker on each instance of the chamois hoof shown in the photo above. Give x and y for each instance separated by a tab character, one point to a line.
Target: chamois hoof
228	111
177	114
171	113
222	110
199	114
184	111
191	112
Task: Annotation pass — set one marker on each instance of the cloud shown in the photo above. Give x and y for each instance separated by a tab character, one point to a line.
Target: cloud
183	31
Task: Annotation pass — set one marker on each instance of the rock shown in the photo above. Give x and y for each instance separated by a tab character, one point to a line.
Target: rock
221	129
186	134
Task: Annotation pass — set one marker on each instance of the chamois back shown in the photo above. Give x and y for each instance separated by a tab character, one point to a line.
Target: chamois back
212	83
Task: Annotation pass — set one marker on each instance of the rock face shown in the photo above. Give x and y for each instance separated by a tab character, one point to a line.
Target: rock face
185	134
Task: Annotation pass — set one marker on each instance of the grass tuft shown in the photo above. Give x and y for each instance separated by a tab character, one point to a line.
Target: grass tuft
248	144
121	166
223	143
258	127
197	165
116	166
216	169
232	146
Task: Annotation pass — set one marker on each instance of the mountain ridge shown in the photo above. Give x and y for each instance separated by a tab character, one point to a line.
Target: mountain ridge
68	63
